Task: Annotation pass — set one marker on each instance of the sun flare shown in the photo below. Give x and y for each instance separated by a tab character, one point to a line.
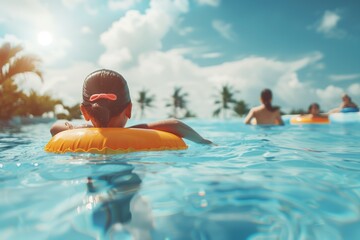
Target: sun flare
44	38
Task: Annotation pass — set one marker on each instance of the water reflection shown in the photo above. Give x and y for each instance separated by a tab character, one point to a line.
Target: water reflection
115	206
116	209
10	138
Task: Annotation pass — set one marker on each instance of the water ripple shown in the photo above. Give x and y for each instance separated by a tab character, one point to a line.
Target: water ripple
292	182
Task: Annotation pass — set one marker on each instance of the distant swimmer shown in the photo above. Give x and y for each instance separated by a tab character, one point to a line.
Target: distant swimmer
347	105
265	114
312	117
314	111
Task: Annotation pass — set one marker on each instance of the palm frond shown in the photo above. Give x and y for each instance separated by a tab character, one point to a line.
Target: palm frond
23	64
216	113
7	53
15	50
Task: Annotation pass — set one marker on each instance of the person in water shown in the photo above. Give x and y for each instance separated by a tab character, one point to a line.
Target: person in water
314	111
107	103
346	103
265	114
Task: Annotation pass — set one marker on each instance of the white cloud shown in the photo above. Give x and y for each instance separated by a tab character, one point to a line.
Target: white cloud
57	51
31	13
319	66
66	83
224	29
196	51
72	3
86	30
185	31
330	97
137	33
328	25
354	90
91	10
180	29
10	38
309	59
213	3
344	77
122	4
328	22
211	55
49	55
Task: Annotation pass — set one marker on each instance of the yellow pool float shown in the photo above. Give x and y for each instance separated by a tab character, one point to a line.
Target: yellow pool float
309	120
113	140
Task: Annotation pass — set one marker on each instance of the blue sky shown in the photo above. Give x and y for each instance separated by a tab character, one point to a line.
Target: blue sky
305	51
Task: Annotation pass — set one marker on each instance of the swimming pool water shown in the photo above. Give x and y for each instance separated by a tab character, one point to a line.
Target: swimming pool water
291	182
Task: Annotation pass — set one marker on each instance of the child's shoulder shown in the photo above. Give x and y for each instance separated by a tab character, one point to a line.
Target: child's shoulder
63	125
258	108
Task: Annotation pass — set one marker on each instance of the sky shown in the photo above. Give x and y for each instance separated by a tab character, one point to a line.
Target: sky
304	51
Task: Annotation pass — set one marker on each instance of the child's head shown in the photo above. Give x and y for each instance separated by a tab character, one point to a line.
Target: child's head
106	99
346	98
314	109
266	96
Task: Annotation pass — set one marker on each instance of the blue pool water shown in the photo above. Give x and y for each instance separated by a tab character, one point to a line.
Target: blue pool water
291	182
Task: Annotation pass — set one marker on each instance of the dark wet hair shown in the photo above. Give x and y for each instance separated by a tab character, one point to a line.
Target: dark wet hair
105	82
266	97
313	104
347	96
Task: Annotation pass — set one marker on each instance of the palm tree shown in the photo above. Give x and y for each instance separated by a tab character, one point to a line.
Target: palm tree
37	105
74	111
241	108
178	101
11	100
189	114
297	111
13	62
224	101
145	101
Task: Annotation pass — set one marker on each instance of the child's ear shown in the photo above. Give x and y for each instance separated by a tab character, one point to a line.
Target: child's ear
84	112
128	110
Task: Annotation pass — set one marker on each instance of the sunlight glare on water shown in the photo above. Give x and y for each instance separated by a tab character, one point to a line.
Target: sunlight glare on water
291	182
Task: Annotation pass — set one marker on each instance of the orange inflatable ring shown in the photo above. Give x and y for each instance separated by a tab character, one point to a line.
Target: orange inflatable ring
309	120
113	140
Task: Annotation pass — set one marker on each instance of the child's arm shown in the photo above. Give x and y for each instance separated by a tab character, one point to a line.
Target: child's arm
249	117
60	126
175	127
279	118
335	110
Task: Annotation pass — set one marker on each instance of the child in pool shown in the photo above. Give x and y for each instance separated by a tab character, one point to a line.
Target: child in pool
314	111
107	103
265	114
346	103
